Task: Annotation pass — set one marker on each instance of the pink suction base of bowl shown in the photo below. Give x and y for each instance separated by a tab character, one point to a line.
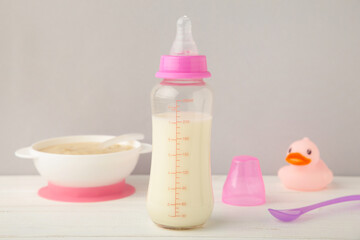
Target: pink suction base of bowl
88	194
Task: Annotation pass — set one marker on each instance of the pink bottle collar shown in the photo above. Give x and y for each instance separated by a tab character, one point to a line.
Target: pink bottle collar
183	67
183	82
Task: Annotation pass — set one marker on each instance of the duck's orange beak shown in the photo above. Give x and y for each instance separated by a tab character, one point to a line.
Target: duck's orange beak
297	159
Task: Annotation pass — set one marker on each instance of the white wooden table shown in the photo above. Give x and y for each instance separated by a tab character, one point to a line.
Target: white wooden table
24	215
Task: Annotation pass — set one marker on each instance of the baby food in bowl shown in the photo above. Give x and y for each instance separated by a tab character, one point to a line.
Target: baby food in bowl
78	170
84	148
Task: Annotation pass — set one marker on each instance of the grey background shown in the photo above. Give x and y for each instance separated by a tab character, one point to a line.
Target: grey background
281	70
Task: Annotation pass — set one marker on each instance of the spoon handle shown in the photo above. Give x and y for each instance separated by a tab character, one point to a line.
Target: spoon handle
329	202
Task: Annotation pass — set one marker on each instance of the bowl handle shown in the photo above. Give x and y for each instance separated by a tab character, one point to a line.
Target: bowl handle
24	153
145	148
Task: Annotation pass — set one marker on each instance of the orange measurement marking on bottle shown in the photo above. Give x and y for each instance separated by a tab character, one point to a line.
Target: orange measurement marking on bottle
178	155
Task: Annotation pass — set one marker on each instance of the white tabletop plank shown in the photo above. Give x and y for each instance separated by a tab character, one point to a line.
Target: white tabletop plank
24	215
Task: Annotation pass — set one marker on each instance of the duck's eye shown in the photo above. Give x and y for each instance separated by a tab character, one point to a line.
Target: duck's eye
308	151
289	150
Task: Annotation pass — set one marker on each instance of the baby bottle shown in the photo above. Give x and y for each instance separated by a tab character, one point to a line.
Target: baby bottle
180	192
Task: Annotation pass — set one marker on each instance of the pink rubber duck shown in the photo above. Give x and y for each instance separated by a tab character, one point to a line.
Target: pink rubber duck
307	171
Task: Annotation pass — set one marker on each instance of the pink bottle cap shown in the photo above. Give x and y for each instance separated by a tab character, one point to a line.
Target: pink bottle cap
183	67
244	185
86	194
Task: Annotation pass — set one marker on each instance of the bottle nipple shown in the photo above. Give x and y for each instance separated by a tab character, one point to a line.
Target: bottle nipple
184	44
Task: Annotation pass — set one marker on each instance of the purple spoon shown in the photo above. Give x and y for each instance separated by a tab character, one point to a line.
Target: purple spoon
288	215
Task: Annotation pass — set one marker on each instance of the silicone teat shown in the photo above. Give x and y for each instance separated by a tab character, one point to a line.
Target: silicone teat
184	44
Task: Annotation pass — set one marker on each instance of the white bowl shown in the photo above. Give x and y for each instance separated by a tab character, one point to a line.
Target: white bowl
83	170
